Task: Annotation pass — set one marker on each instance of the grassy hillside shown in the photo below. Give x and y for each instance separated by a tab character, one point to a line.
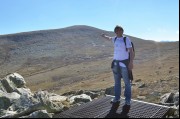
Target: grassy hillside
77	57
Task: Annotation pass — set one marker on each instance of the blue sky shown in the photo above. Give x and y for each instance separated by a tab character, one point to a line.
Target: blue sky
147	19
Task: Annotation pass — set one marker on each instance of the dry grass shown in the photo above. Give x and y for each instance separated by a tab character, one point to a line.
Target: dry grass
158	76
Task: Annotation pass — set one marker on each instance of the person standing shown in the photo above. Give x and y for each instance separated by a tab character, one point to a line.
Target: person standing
122	63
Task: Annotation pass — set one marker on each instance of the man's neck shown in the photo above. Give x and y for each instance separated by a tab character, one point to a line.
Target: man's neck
119	36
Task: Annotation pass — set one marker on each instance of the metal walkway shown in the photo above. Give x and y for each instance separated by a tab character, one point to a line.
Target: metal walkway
100	108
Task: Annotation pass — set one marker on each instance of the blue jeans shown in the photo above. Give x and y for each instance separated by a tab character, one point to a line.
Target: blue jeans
117	85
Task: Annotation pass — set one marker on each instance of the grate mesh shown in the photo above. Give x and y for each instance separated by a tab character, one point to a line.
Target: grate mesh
100	108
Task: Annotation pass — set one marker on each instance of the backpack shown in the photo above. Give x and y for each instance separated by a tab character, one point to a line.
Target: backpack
124	38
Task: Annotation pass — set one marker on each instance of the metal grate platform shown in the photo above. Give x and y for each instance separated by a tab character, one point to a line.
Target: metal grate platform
100	108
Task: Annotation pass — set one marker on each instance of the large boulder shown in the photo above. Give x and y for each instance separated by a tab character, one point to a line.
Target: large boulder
80	98
172	100
6	99
11	82
47	103
16	100
166	98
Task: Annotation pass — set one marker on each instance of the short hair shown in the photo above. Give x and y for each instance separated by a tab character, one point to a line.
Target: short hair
118	28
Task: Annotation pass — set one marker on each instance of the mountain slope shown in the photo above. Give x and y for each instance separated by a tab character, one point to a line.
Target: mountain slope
40	50
78	57
31	52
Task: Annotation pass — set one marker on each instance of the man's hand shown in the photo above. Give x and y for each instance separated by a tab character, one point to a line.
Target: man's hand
103	35
106	37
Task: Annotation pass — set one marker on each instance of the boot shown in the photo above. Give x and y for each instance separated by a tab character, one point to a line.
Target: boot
125	109
114	107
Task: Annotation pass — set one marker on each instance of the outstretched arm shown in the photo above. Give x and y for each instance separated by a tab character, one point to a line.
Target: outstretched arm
106	37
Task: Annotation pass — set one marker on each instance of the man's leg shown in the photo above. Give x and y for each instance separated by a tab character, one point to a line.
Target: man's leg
117	86
127	91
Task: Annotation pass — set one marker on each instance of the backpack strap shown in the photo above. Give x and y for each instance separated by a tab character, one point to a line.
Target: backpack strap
131	44
125	43
115	39
133	47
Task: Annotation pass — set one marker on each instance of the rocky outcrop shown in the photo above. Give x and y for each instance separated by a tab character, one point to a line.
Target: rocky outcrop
172	100
16	100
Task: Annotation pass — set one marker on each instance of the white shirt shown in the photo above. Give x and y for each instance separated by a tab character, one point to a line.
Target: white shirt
120	52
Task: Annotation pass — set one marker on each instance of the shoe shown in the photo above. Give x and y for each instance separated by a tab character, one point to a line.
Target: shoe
125	109
114	107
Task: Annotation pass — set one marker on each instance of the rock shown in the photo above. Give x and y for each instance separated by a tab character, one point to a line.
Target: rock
2	87
39	114
18	80
79	92
46	103
109	91
6	99
177	112
91	94
176	98
72	93
27	105
167	98
18	101
80	98
141	97
4	103
23	103
141	85
58	98
69	93
5	113
13	81
23	91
